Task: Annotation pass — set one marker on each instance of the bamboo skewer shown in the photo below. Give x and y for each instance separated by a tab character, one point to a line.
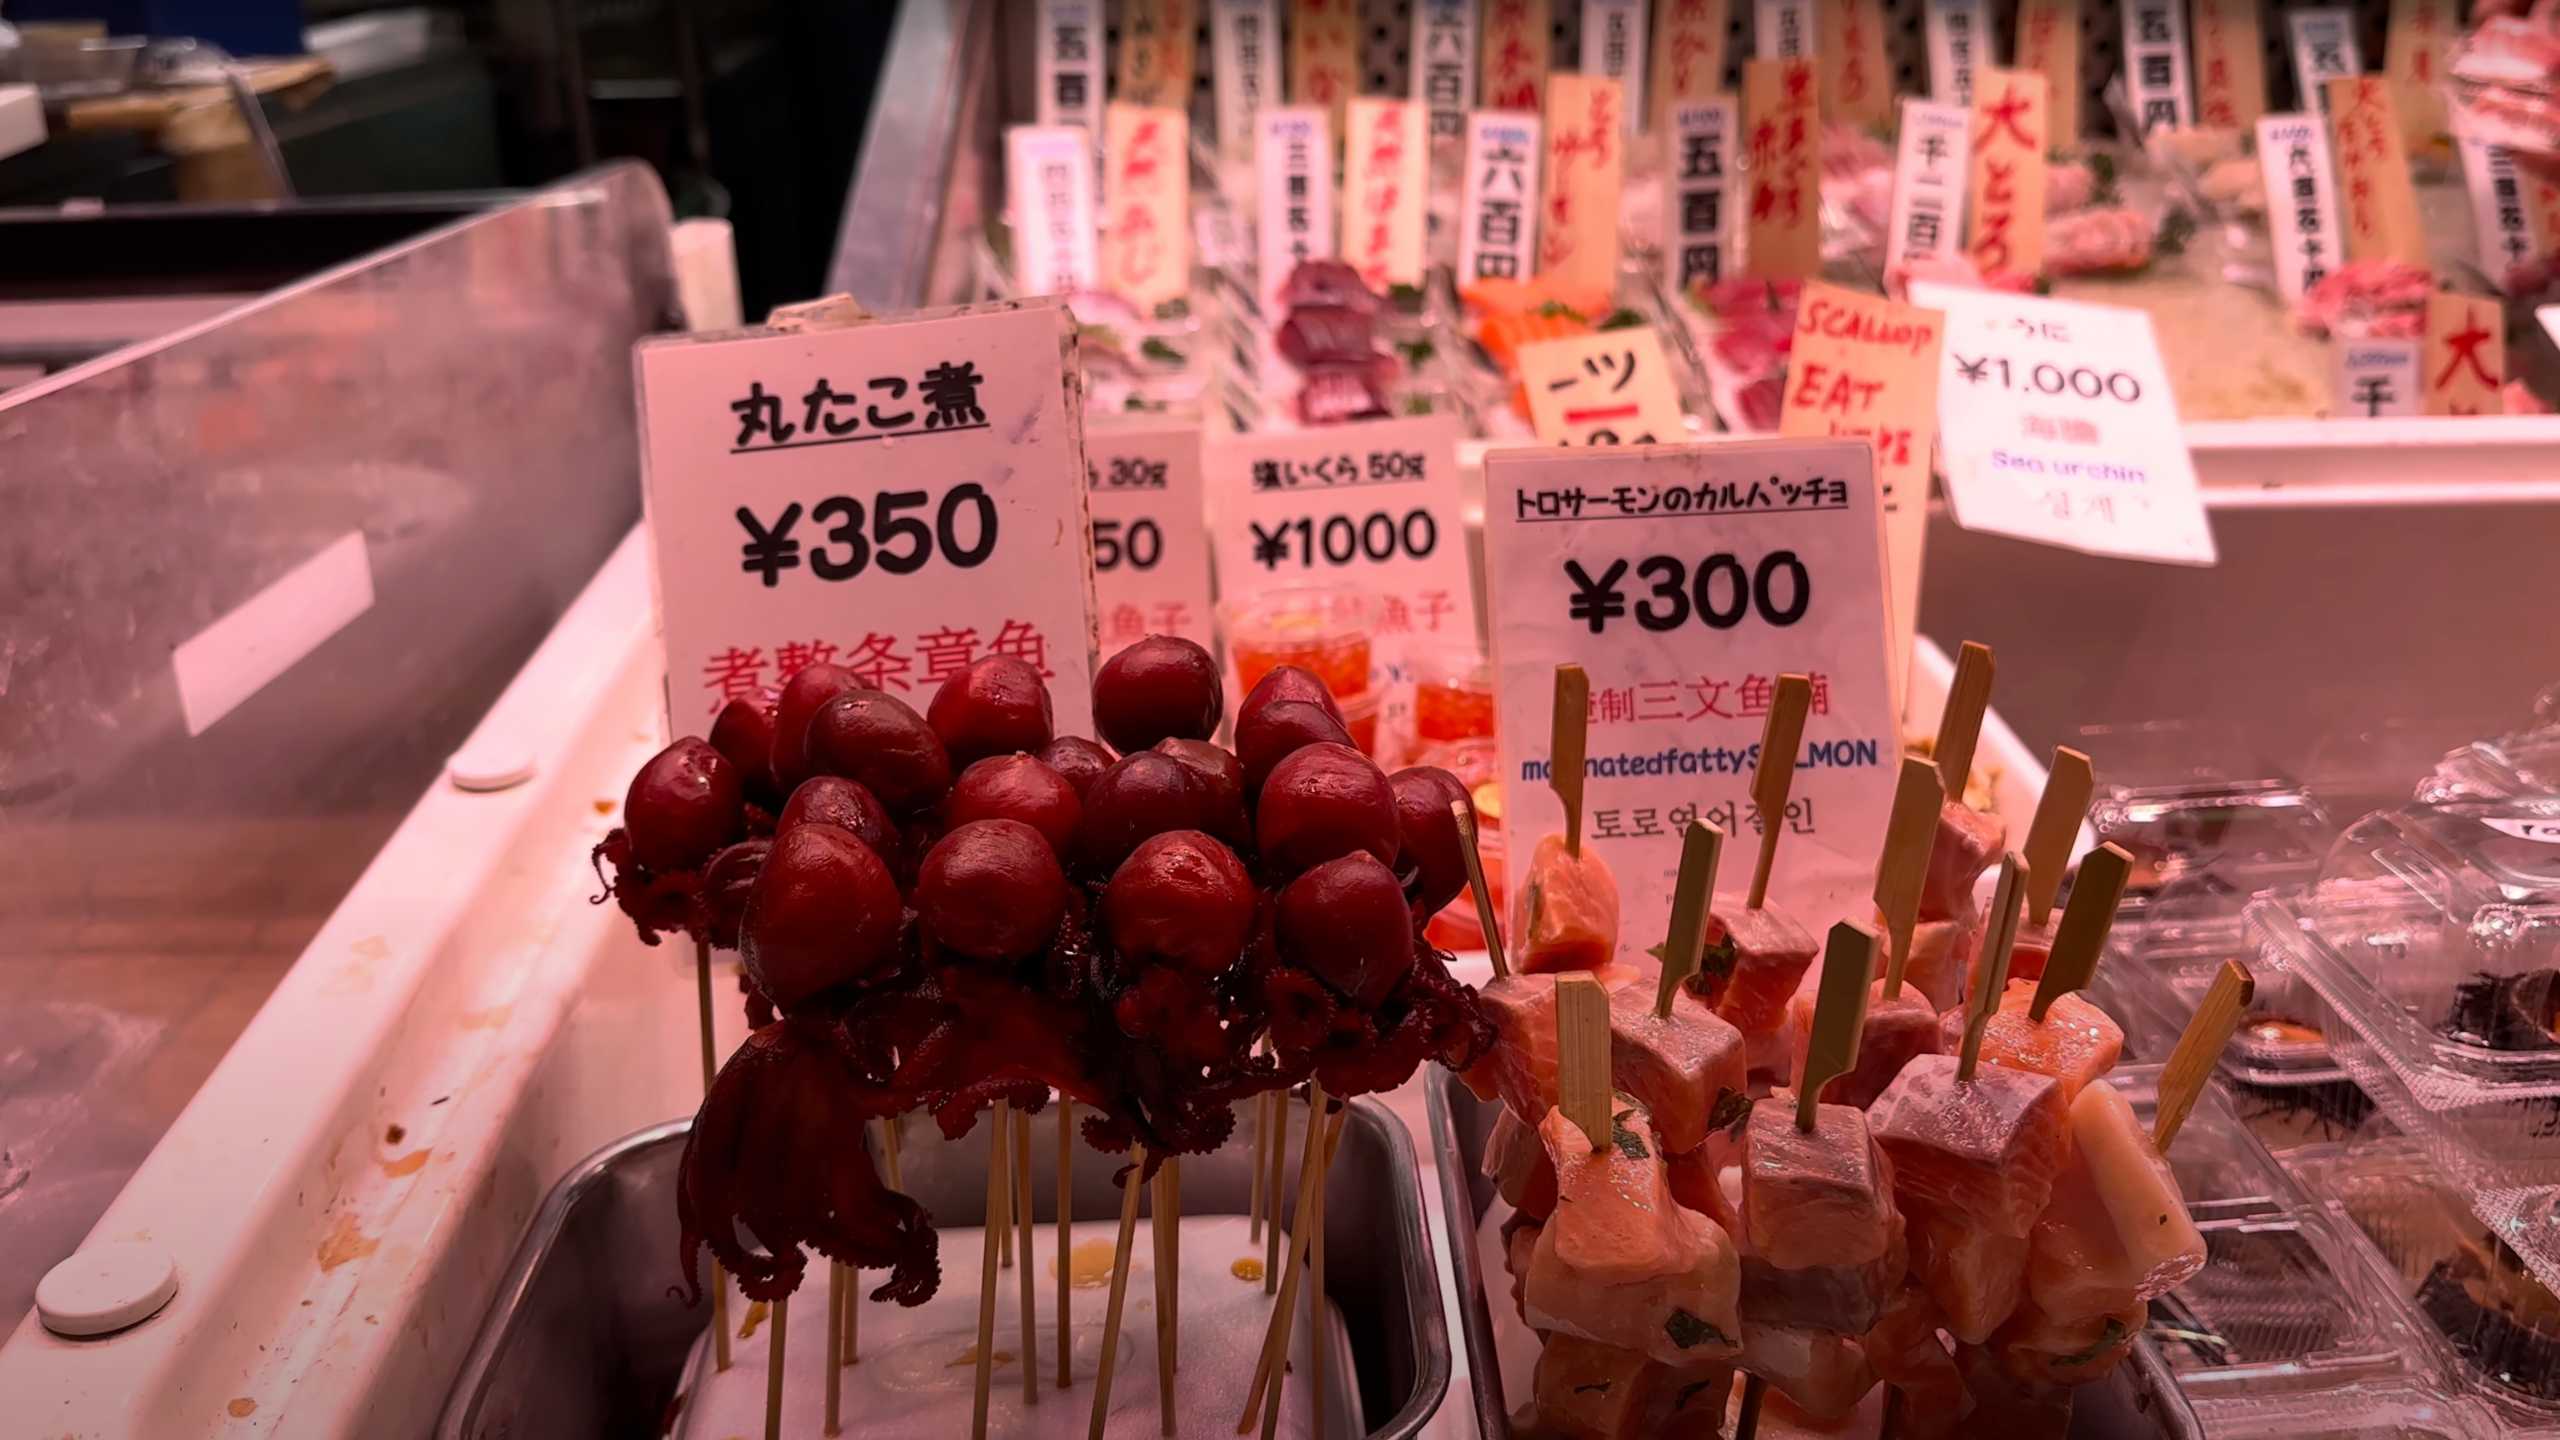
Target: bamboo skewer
1022	1233
835	1349
1160	1236
1066	1241
1275	1338
2199	1049
710	1067
1775	776
852	1352
1567	739
1999	937
1110	1357
1261	1142
773	1369
1903	869
1700	848
1279	1159
997	1222
1315	1313
1746	1422
1486	919
2059	811
1173	1249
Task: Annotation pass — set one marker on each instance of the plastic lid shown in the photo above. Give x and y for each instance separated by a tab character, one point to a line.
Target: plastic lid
106	1287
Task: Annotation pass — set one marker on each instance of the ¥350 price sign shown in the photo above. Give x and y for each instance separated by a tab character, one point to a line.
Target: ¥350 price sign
2056	424
1150	557
897	497
1685	580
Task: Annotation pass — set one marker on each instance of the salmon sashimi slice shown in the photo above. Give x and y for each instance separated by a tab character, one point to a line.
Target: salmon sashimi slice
1974	1276
1942	954
1520	1069
1818	1198
1620	1262
1566	914
2116	1234
1753	961
1966	843
1894	1031
1782	1419
1825	1375
1985	1148
1515	1159
1908	1355
2075	1043
2035	1348
1675	1068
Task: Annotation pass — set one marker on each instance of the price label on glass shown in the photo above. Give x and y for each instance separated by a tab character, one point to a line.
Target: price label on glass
2056	424
1150	558
1685	580
897	497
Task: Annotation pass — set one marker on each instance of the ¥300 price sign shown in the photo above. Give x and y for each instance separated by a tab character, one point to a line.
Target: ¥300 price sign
844	495
1743	562
2056	424
1150	558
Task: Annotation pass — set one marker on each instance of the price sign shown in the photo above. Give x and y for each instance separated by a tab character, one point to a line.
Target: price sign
1866	367
2416	52
1295	163
1686	579
1932	164
2231	66
2324	49
1324	55
1700	176
1499	201
1688	54
1049	172
1444	63
2373	171
1245	35
2007	191
1385	172
1157	40
1610	388
1146	250
898	497
1857	81
2155	63
1780	104
2500	224
1586	163
2049	45
2302	201
1370	507
1517	52
1782	29
1069	64
1150	557
1957	31
1613	45
2375	379
2466	356
2056	424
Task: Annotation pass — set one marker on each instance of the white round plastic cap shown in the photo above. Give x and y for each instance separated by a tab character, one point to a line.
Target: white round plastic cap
484	766
106	1287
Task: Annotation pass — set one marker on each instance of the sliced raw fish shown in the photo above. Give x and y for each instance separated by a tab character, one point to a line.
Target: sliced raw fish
1675	1068
2075	1043
1825	1375
1823	1197
1520	1069
1966	843
1620	1262
1985	1148
1843	1299
1566	915
2027	953
1974	1276
1895	1030
1589	1391
1694	1184
2117	1234
1752	962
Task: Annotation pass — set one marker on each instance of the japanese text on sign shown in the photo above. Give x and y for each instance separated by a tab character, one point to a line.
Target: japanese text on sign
2500	224
1956	36
2415	56
2049	45
1684	623
1156	43
1246	37
781	501
2231	80
1324	55
1050	173
1069	64
1857	80
1932	164
1700	175
1497	238
1586	158
1688	61
1147	181
1295	158
1444	63
1517	50
1609	388
2324	48
2155	64
1386	168
1782	30
2381	207
1150	558
1613	45
2377	378
1780	105
2007	195
2302	201
2466	355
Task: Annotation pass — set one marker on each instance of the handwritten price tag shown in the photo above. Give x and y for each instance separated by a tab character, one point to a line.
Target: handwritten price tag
2373	171
1146	251
1517	50
2466	355
1612	388
2231	74
1685	580
1780	101
2057	425
1586	160
1245	38
2049	45
1150	558
897	497
1386	172
1688	54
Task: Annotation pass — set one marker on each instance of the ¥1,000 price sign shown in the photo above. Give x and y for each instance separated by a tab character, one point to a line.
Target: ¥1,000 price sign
2056	424
1150	557
1685	580
898	497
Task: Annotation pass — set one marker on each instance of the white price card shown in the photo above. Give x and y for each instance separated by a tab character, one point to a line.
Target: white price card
2155	64
2324	49
2377	379
2056	424
1150	553
1068	63
1932	163
1782	29
2302	201
2500	225
1371	507
1444	63
898	497
1698	208
1685	579
1244	36
1613	44
1498	203
1295	220
1608	388
1049	176
1956	35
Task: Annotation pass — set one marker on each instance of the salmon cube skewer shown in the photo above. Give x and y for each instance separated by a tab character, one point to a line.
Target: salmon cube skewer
1676	1067
1566	914
1895	1029
2075	1043
2117	1233
1823	1241
1974	1276
1985	1148
1619	1262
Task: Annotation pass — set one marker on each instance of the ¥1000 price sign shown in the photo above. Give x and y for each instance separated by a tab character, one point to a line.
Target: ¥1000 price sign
2057	425
1685	580
898	497
1150	556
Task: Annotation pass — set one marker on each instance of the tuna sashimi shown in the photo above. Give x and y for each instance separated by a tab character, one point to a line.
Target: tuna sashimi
2035	1348
1621	1263
1942	955
1818	1198
1674	1068
1895	1030
1753	960
1967	842
1515	1159
1520	1068
1825	1375
1974	1276
1566	915
2117	1233
1908	1355
1985	1148
2075	1044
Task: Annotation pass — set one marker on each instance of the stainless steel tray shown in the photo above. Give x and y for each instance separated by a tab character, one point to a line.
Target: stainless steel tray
587	1339
2140	1399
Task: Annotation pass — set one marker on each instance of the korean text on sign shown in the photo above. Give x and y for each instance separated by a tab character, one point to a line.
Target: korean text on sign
1685	580
896	497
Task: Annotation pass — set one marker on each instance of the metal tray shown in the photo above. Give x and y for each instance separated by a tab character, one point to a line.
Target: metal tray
587	1339
2139	1399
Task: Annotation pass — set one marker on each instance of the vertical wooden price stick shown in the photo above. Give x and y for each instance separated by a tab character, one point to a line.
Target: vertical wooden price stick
1780	739
2059	810
998	1222
773	1368
1991	973
1110	1356
2199	1049
1960	724
1022	1235
1486	919
1582	1055
1268	1370
1701	848
2082	934
1903	870
1839	1015
1066	1240
711	1067
1568	738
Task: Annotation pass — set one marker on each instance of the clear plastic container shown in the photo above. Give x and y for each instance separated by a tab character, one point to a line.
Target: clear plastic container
2248	835
2524	763
1320	628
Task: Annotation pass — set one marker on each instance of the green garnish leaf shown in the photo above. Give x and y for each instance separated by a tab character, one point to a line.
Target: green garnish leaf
2102	178
1558	310
1417	404
1731	1110
1416	353
2107	1339
1717	959
1629	1143
1176	308
1155	349
2176	229
1405	295
1622	319
1687	1330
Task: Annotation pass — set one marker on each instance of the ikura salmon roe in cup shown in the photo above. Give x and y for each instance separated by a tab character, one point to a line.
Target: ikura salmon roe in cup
1452	695
1321	629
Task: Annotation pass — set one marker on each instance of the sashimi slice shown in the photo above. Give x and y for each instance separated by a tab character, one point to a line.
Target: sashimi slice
1753	960
1985	1148
1841	1299
1966	843
1675	1068
1566	915
1515	1159
1942	955
1908	1355
2117	1234
1621	1263
1895	1030
2075	1043
1818	1198
1974	1276
1825	1375
1688	1404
